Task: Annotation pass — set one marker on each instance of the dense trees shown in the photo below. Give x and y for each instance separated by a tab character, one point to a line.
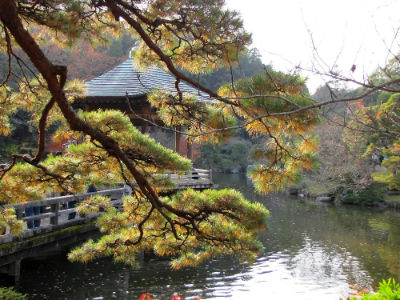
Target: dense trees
233	156
248	65
377	137
357	141
373	129
196	36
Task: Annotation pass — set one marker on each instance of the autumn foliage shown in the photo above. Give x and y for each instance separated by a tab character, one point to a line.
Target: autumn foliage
196	36
84	61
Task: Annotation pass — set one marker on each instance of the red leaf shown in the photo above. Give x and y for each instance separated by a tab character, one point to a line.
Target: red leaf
145	296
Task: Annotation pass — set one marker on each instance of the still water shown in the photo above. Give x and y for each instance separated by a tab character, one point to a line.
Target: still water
311	251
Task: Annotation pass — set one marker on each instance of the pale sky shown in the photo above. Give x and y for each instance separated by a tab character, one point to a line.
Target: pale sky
347	32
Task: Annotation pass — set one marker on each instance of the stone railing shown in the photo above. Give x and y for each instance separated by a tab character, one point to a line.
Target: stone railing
49	214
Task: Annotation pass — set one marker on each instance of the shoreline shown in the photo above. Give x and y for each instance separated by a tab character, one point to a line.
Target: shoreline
327	197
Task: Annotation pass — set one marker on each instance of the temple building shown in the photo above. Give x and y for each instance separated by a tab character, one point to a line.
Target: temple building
124	83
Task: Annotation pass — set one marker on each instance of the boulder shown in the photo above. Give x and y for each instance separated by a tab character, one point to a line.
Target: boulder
234	170
292	190
379	168
393	192
324	199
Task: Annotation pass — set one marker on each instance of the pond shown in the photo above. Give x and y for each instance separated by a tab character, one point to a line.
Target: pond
311	251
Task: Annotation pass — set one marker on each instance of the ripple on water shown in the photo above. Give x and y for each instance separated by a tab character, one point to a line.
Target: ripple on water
311	252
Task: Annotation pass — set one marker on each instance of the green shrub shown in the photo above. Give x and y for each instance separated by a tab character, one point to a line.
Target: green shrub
388	290
10	294
368	196
231	155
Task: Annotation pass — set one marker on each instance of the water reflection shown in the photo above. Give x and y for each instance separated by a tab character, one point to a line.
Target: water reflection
311	251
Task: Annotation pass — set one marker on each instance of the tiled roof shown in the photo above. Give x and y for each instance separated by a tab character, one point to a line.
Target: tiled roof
125	79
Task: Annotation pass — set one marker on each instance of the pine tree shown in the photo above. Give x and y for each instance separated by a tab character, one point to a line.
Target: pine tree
191	35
